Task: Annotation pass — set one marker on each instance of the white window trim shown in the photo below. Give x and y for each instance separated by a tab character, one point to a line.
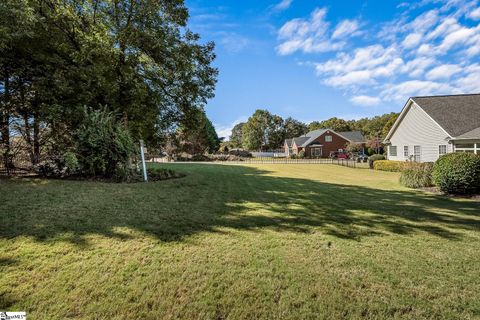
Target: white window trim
406	152
328	138
390	153
419	153
446	149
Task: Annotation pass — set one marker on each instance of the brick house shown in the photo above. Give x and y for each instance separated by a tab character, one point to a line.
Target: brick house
320	143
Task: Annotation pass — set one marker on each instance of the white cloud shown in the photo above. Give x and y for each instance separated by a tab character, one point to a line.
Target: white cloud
434	52
412	40
233	42
346	28
443	72
225	131
403	90
307	35
283	5
365	100
475	14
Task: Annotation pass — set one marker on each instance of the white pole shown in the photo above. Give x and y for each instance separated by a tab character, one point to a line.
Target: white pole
143	162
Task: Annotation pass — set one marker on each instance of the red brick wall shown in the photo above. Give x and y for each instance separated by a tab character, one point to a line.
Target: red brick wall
336	143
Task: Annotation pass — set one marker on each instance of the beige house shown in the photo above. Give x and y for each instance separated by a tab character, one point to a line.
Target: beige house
429	127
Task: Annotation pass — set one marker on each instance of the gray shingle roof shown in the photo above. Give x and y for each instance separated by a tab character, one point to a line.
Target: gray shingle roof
299	141
354	136
456	114
289	142
474	134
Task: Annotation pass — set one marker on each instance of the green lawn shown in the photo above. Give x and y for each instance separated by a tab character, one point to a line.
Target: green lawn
239	242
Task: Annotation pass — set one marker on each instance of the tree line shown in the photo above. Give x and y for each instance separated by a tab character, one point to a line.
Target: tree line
266	131
135	59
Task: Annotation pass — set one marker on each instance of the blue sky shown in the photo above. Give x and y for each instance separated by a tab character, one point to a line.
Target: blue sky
313	60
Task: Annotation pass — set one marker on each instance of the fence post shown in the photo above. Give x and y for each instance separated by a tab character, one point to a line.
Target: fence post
143	161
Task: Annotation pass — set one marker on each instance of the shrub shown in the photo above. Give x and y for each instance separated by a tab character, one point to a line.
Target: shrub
71	163
388	165
104	145
457	173
417	175
301	154
374	158
157	174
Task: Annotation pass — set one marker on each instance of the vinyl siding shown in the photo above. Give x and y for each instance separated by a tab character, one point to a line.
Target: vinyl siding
417	128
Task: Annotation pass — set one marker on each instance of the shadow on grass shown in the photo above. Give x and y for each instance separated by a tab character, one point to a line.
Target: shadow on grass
214	197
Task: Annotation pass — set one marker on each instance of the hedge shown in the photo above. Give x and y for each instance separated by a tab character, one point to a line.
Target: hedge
389	165
375	157
457	173
417	175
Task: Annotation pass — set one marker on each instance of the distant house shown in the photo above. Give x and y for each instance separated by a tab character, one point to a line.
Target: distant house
320	143
429	127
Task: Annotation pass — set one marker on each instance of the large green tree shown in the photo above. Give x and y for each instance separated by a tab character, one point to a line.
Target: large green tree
236	138
294	128
263	131
332	123
136	58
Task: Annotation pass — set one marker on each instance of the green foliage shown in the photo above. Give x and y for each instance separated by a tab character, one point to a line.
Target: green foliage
72	165
103	145
236	139
136	58
263	131
301	154
294	128
158	174
457	173
354	147
334	123
374	158
197	135
388	165
417	175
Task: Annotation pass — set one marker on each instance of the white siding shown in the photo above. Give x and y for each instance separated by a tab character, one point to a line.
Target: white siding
417	128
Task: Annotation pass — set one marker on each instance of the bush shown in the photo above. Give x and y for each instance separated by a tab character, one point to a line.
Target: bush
301	154
240	153
374	158
104	145
388	165
457	173
417	175
157	174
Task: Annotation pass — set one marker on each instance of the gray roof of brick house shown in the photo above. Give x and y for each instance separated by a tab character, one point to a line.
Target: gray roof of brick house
300	141
456	114
303	141
353	136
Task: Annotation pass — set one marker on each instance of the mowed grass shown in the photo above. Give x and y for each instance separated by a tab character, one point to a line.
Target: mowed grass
239	242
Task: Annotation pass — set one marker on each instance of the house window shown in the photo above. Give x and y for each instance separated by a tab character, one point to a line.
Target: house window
442	149
328	138
416	153
405	151
392	151
316	152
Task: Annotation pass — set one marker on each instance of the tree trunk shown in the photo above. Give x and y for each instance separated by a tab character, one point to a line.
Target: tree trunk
36	139
5	122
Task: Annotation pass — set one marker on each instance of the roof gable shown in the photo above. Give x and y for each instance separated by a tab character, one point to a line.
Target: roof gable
456	114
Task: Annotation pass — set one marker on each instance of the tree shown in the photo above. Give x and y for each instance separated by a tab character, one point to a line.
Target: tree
197	135
236	139
294	128
137	59
263	131
389	125
334	123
